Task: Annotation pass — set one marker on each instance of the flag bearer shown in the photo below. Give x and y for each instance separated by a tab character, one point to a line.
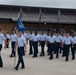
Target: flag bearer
21	43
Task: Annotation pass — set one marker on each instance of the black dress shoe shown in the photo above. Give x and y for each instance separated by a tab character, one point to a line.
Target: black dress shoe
22	67
34	56
48	54
43	54
50	58
15	68
30	53
1	66
40	55
63	56
66	60
73	58
56	57
10	56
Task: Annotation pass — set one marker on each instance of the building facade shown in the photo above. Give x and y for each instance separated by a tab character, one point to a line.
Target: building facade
37	18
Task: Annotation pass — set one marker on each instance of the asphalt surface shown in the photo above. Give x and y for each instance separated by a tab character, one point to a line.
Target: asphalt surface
38	66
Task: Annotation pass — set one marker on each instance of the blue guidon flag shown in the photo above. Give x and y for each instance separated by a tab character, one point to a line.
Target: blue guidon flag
20	26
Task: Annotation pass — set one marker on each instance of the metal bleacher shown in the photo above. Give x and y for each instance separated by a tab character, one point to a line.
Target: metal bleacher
34	17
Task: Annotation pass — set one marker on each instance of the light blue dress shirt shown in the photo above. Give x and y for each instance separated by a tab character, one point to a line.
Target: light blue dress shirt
30	36
2	37
42	37
67	40
21	41
13	38
51	39
36	38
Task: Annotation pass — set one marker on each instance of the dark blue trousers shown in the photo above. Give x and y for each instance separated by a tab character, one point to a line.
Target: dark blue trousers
42	48
13	46
60	49
67	51
48	48
51	49
30	50
20	54
1	62
7	43
35	46
57	49
73	51
63	50
75	47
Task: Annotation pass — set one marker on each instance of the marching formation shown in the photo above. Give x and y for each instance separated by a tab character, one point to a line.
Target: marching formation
54	41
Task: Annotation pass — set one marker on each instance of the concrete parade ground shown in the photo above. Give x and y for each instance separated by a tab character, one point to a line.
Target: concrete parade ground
38	66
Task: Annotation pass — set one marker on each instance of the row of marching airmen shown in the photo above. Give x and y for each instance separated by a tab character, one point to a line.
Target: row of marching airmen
56	43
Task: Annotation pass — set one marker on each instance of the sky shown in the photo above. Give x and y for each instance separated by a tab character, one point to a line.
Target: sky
42	3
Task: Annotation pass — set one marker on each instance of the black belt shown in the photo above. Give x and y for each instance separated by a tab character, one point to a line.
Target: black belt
35	41
51	43
57	42
13	41
67	44
7	38
20	47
